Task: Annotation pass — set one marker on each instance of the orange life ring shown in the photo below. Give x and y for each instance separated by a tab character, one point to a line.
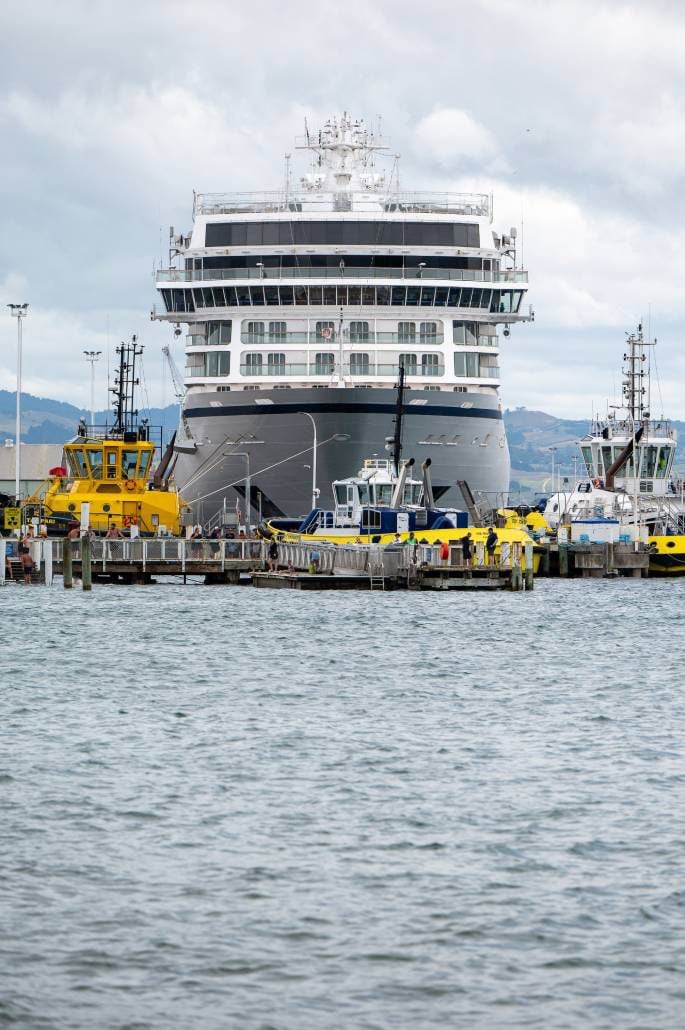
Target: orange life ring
130	485
130	520
597	483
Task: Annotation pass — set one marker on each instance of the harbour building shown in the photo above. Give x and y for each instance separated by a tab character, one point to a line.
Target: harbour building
300	305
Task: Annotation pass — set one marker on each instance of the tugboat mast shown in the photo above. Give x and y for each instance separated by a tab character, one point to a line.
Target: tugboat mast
125	382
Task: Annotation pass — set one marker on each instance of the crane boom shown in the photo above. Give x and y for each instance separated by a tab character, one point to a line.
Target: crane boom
174	372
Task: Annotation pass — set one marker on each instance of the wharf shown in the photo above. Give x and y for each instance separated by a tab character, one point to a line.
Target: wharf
593	560
338	567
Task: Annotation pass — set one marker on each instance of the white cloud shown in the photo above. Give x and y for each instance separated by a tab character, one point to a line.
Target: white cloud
450	137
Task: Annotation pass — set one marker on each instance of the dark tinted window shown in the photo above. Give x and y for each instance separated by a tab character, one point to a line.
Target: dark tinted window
412	234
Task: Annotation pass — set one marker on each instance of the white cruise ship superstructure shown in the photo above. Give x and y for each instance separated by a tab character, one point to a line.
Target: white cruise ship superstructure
302	304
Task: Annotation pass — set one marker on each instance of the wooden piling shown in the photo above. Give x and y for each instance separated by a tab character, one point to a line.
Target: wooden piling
86	564
67	566
528	578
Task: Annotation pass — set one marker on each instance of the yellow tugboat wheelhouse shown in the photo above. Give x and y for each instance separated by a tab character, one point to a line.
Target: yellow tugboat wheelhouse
110	468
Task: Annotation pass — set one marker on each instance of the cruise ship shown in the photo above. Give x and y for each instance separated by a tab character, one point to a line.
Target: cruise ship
301	305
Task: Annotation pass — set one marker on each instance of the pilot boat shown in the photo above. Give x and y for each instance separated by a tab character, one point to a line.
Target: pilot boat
110	469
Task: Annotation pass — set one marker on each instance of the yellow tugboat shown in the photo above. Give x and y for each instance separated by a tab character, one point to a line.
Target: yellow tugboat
110	469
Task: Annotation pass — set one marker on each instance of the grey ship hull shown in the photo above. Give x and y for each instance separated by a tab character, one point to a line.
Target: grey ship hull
463	434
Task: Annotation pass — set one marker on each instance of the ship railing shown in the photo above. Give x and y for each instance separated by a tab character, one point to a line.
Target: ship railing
315	339
275	201
361	369
164	549
187	275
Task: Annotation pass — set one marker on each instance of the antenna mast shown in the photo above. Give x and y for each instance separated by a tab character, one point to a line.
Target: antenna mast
125	382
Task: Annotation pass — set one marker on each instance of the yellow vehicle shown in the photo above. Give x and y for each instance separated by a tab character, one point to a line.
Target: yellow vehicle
110	469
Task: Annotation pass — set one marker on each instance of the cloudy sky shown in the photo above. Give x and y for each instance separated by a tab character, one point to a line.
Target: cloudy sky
572	113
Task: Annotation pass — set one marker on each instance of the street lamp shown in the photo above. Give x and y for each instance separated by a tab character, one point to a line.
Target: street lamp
92	356
553	451
18	311
248	486
315	492
260	266
422	265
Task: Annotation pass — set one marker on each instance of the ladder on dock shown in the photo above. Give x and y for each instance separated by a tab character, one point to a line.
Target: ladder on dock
376	569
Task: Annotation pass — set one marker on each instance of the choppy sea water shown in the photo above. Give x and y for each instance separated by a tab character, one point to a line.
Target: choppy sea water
225	807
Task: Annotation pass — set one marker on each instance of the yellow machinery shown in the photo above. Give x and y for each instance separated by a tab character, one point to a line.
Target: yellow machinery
110	469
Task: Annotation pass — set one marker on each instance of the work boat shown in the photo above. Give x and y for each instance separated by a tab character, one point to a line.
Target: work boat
379	506
373	506
628	456
109	468
301	304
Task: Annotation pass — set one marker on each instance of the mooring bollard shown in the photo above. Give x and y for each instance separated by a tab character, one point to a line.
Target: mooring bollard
67	567
86	566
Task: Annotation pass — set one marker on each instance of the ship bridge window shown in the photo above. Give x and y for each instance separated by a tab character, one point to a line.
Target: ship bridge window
412	493
383	493
95	463
145	459
129	460
73	464
383	234
587	458
427	296
607	458
398	296
243	293
664	462
649	455
341	493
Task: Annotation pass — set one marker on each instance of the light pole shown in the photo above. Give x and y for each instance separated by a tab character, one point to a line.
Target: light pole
315	492
92	356
553	451
18	311
248	486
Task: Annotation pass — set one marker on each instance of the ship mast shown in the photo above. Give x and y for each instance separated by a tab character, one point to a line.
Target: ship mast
125	382
636	377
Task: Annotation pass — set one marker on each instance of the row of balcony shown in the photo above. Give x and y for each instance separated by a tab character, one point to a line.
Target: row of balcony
326	370
315	339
